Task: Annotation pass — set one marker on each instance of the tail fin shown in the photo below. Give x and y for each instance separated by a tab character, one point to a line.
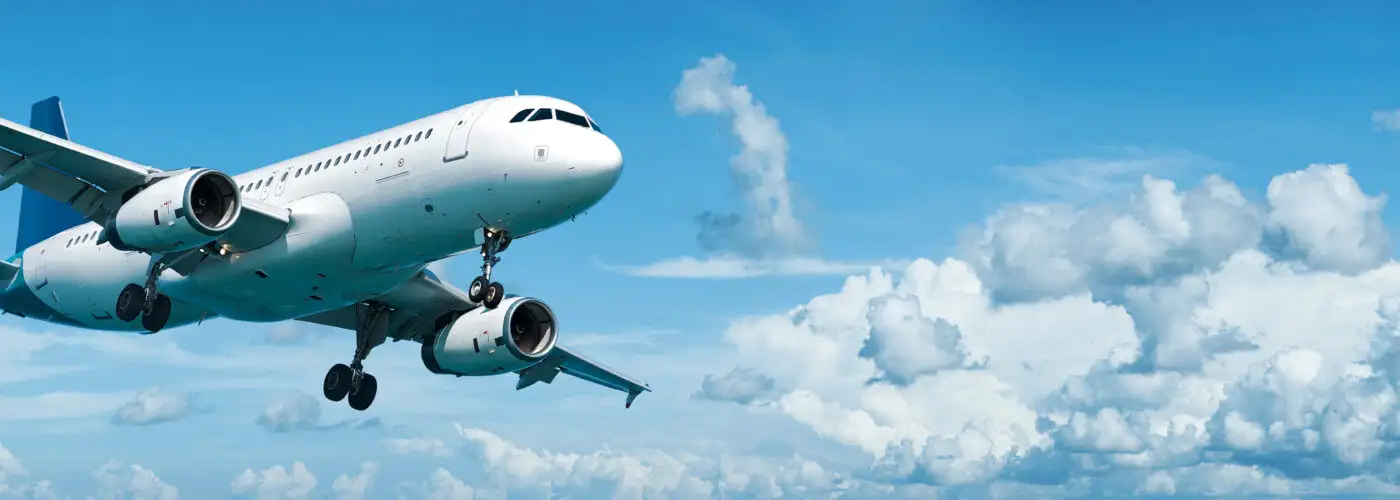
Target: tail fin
40	216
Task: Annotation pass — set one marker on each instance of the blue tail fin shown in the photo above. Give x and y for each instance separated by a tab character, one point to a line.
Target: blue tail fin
40	216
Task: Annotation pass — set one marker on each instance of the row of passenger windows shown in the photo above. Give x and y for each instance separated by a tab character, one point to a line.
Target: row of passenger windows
84	238
554	114
345	158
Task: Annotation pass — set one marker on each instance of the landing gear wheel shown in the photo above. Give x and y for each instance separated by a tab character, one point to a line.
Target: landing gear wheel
477	290
363	396
130	302
494	293
155	318
337	383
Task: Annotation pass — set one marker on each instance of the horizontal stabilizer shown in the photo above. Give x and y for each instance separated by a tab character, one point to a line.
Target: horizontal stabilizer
7	274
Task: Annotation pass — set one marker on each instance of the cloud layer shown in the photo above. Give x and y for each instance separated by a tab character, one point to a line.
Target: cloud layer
1172	341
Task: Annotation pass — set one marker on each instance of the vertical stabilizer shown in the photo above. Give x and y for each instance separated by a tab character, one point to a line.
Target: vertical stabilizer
40	216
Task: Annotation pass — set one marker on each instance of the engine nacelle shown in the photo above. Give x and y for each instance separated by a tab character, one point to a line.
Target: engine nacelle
516	334
177	213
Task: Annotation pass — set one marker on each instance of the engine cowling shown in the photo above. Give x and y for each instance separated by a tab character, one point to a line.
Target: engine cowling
181	212
516	334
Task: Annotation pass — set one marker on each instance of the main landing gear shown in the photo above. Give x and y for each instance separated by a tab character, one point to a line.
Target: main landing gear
351	380
483	290
145	301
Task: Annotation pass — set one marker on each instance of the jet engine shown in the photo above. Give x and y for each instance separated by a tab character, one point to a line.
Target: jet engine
514	335
181	212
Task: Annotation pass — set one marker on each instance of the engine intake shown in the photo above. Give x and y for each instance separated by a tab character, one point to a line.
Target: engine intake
177	213
514	335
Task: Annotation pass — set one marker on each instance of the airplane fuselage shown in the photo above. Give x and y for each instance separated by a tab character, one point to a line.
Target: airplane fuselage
366	215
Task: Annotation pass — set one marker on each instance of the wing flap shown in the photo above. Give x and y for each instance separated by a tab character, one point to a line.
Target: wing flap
103	170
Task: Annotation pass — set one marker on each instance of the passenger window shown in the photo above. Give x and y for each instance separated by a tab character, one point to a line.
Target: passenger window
396	142
566	116
299	173
520	117
542	114
429	134
337	161
357	155
284	176
259	185
420	135
376	148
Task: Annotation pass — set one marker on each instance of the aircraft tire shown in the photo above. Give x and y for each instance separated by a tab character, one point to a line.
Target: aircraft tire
130	302
493	295
159	314
477	290
363	396
337	382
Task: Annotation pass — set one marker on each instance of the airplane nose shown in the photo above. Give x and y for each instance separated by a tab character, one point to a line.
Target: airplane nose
599	164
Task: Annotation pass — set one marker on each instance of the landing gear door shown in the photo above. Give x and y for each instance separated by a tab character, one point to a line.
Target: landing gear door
461	132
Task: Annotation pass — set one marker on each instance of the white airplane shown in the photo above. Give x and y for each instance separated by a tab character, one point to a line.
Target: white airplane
340	236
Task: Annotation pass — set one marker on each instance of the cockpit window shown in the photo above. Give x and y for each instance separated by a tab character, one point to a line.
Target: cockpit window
542	114
571	118
594	125
520	117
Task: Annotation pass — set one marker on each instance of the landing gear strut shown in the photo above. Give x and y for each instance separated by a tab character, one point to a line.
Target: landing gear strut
351	380
482	289
145	301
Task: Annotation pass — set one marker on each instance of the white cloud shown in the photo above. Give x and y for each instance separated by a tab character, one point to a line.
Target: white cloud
1386	119
740	385
1327	220
120	481
276	482
295	411
1176	342
153	406
418	446
442	485
760	169
356	487
642	474
732	266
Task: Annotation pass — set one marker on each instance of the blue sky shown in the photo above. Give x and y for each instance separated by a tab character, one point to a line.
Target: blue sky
1009	137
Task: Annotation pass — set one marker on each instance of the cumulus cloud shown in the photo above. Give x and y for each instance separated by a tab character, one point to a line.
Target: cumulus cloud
767	237
759	170
296	411
116	480
153	406
442	485
355	487
276	482
642	473
14	479
1170	341
1386	119
418	446
299	411
740	385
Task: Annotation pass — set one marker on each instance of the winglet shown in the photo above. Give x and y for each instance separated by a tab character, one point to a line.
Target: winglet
632	396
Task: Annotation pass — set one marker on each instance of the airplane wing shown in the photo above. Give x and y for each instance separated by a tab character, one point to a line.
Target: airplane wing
92	182
417	305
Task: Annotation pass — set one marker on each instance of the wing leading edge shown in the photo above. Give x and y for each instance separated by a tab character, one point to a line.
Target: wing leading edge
92	182
425	297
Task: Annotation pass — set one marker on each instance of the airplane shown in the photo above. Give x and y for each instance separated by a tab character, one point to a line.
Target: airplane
341	236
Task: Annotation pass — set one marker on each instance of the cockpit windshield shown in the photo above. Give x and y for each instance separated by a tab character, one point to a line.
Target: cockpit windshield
542	114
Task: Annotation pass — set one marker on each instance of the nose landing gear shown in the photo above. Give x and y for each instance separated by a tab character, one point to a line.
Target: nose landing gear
483	290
